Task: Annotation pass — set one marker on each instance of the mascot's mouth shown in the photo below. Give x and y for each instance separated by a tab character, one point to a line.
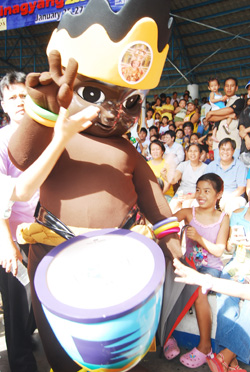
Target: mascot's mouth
104	126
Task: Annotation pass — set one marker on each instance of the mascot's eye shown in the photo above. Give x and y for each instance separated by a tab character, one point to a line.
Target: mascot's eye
91	94
132	101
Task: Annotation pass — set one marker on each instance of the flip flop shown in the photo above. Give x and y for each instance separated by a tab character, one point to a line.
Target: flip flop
171	349
194	358
215	364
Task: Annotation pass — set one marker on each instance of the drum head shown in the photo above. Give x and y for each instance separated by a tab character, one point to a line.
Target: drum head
100	275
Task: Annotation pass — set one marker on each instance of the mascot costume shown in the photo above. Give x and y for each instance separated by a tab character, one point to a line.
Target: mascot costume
108	60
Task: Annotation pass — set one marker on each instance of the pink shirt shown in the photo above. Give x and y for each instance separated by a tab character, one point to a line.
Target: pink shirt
21	211
200	255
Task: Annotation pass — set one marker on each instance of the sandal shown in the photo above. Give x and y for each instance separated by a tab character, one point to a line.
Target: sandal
194	358
236	368
171	349
215	364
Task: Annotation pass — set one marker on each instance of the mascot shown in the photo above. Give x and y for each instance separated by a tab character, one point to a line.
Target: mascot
108	60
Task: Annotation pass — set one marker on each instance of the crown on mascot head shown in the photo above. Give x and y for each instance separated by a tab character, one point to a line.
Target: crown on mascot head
127	48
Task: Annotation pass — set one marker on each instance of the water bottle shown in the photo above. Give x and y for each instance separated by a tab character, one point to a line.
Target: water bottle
241	253
22	274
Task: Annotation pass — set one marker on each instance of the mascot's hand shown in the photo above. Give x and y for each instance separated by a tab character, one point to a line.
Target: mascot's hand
53	89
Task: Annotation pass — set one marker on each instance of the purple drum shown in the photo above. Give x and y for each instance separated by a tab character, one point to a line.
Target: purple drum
102	294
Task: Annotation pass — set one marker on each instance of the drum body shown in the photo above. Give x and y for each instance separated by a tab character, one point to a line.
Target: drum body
102	293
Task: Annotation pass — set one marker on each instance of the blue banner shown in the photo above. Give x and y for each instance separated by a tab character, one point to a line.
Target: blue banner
22	13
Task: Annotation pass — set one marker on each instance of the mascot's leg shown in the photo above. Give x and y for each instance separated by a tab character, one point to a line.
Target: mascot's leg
58	359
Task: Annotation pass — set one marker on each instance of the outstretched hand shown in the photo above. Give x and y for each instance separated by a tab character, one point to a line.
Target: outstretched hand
186	274
53	88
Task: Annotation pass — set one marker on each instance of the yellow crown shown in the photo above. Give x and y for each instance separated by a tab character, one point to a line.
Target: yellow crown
134	61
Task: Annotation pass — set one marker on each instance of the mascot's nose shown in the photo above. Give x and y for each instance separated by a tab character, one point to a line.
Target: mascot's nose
109	112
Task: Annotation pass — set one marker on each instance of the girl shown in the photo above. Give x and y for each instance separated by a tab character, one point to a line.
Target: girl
206	239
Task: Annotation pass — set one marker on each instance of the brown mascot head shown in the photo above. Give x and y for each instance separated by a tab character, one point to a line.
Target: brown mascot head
120	56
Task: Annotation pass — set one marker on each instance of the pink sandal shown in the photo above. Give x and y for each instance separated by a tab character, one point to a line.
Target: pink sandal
194	358
215	364
171	349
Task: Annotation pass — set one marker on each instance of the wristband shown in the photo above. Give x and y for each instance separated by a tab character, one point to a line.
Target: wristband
168	226
164	222
167	232
37	118
45	114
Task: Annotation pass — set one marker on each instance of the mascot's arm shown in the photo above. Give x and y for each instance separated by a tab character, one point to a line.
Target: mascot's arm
153	205
49	90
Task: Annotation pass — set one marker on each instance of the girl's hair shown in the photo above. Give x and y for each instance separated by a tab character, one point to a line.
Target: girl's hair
157	142
215	181
195	144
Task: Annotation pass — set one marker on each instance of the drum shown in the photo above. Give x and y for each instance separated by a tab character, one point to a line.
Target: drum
101	293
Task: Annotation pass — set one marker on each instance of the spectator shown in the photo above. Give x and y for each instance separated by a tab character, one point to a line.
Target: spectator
173	147
233	172
244	132
248	89
180	113
206	239
174	98
164	125
162	168
167	109
192	115
149	118
179	136
187	173
18	316
234	106
188	128
171	126
233	326
142	142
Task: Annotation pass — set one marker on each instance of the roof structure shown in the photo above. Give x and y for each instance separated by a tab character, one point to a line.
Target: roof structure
209	38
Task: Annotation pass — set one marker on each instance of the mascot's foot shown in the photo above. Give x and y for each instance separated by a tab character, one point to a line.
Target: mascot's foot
171	349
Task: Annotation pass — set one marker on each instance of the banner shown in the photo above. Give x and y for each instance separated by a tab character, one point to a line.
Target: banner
23	13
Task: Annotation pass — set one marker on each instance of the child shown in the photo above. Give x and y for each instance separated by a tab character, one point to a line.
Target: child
179	136
217	101
164	125
206	238
149	118
23	187
180	113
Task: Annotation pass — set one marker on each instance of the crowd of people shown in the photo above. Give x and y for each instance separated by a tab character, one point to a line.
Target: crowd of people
208	192
201	158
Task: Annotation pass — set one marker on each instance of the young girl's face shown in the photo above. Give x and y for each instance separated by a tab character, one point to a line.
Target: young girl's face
213	86
206	195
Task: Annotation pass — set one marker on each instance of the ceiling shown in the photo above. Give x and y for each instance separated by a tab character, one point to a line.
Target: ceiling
209	38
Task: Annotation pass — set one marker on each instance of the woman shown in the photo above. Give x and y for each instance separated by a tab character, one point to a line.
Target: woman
163	168
187	173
